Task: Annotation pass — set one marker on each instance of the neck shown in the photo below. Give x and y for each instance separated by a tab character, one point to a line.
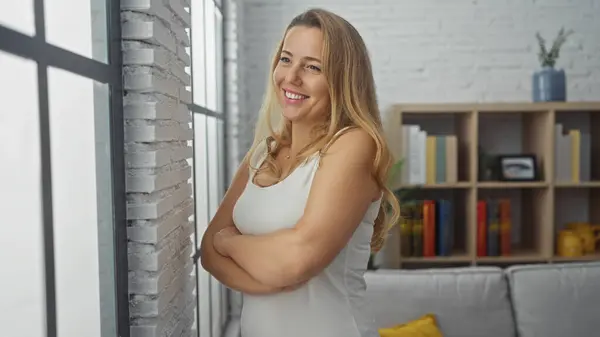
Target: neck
301	136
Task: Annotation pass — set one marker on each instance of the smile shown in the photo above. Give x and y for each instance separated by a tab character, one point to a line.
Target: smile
294	96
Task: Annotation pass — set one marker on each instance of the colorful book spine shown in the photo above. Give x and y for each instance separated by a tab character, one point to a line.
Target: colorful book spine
428	228
451	159
422	157
481	228
417	229
575	155
562	154
413	156
406	231
404	173
493	229
430	148
440	159
444	228
585	153
505	227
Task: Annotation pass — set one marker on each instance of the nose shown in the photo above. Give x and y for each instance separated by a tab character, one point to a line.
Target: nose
293	75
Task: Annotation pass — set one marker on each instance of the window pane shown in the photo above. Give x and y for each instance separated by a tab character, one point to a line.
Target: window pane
106	248
215	296
204	303
21	248
222	177
222	157
211	60
202	319
201	172
80	29
82	204
198	52
18	15
214	184
215	192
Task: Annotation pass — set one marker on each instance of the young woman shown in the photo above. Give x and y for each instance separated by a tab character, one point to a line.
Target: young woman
308	204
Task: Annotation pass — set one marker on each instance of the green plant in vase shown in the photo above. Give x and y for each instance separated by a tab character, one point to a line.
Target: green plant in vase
549	84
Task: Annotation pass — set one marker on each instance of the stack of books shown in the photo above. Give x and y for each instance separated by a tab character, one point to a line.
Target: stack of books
428	159
427	228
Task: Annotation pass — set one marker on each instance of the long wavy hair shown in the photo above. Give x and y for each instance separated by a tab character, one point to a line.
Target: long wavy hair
353	103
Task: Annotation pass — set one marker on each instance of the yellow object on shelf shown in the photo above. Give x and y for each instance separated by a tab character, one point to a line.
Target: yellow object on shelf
569	244
588	234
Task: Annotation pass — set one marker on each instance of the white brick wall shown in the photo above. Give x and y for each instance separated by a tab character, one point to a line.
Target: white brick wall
159	193
430	50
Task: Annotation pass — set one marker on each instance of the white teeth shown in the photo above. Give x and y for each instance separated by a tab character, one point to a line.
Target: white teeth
294	96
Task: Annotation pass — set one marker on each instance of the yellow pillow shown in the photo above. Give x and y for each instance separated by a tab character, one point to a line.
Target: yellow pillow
423	327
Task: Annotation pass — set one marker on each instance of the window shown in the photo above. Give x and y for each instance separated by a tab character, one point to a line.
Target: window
63	134
209	157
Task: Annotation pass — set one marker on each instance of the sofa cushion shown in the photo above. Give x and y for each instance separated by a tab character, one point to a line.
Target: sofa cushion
556	300
467	302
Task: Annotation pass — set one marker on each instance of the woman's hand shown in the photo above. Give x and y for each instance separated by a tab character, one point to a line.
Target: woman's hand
221	237
220	243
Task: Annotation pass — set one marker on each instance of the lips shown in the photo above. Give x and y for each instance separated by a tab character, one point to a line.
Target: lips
294	96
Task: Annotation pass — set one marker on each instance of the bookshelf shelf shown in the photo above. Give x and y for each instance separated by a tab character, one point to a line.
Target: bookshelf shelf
456	258
439	186
583	184
523	256
564	138
591	257
502	185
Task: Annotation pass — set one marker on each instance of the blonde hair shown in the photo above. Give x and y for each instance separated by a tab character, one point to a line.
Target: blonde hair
347	67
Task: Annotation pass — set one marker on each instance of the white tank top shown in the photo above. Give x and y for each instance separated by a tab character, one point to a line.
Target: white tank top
331	304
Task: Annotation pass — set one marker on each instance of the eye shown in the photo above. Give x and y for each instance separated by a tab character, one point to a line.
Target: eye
315	68
284	59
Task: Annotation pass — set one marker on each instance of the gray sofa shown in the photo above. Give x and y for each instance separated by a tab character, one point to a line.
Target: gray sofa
549	300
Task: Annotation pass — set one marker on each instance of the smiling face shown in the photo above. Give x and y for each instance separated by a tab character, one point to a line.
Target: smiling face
301	85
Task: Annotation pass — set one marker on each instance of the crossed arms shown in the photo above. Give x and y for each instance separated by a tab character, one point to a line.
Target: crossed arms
262	264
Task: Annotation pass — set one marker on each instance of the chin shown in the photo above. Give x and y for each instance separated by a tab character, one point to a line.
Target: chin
292	115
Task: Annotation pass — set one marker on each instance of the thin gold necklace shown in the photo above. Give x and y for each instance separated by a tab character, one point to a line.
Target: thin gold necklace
288	155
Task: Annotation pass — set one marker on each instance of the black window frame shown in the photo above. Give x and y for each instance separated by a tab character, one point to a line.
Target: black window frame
47	55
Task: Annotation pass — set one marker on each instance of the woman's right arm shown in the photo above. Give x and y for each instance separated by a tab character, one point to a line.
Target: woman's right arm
224	268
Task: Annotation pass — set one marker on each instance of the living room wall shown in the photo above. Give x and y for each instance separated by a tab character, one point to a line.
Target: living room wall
422	51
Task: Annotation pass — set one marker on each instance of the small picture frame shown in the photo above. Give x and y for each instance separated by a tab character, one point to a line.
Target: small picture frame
518	167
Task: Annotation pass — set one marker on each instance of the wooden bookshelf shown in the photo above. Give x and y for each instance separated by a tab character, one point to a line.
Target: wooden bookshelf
539	208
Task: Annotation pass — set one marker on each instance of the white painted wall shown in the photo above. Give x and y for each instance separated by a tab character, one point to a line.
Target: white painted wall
431	50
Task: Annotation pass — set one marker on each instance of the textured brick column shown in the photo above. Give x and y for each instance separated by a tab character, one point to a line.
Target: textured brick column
157	145
232	13
234	94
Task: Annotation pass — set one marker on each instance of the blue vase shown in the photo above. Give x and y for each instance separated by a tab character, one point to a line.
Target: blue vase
549	85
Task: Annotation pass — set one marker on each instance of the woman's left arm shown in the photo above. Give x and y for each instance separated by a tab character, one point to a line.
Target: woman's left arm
342	190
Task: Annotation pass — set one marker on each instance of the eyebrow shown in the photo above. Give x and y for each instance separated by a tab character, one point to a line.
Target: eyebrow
305	57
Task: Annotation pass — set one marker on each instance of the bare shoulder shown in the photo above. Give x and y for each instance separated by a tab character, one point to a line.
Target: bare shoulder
353	146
